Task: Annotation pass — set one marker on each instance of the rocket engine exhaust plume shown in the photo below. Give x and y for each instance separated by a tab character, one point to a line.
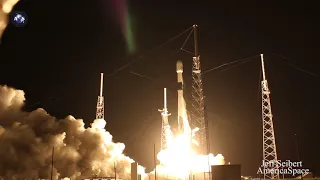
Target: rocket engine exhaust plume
179	160
27	138
5	8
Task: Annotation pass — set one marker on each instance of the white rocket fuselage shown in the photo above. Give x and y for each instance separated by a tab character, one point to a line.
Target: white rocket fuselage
180	95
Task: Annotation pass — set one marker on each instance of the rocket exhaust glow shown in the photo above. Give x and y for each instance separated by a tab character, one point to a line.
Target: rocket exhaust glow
178	160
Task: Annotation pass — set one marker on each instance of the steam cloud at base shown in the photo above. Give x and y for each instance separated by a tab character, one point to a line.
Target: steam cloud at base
27	138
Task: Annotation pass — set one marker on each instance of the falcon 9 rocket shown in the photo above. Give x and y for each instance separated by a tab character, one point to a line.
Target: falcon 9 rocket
180	95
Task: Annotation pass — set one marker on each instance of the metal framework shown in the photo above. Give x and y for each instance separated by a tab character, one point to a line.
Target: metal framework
198	116
269	141
165	131
100	102
181	101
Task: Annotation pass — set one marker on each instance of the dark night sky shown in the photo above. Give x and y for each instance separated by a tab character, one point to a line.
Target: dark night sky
56	59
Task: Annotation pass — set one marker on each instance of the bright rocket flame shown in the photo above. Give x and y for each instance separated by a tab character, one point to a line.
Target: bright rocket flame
178	159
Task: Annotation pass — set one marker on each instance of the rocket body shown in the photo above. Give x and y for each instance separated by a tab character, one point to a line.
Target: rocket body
180	96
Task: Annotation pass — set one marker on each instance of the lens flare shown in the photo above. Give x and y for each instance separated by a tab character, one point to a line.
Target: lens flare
125	19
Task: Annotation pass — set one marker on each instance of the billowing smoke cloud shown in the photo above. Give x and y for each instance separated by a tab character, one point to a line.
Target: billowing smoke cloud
5	8
27	140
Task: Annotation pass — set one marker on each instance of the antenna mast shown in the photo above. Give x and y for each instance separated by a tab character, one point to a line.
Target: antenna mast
198	118
269	140
166	134
100	103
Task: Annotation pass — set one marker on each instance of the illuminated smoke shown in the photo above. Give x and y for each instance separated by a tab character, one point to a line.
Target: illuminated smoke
5	8
27	138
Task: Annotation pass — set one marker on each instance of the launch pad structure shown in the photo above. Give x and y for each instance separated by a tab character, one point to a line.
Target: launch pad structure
100	102
198	119
198	106
165	129
179	69
269	139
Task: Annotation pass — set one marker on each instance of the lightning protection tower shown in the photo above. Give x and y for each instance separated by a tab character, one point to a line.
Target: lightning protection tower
198	118
165	131
269	140
100	103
